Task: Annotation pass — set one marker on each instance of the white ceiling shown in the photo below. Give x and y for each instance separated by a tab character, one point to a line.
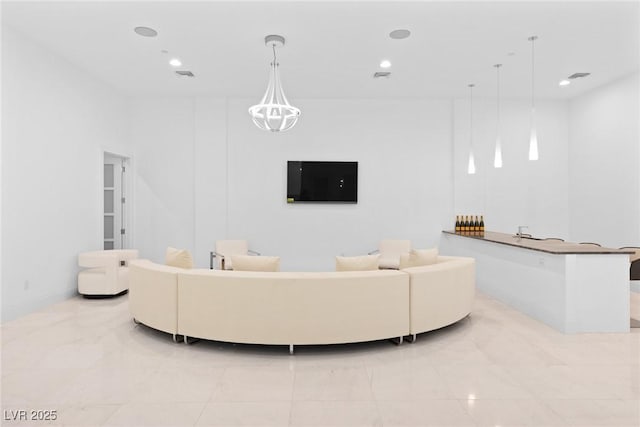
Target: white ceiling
333	48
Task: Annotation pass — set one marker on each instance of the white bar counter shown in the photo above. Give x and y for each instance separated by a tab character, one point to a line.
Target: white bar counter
572	288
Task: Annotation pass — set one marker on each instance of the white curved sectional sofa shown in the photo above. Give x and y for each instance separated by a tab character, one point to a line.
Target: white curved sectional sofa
297	308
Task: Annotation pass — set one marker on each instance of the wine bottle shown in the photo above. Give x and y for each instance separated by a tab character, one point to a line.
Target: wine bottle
465	227
482	225
476	226
457	227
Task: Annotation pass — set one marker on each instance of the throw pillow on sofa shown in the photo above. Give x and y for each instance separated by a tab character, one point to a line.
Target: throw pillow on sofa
357	263
419	257
178	258
255	263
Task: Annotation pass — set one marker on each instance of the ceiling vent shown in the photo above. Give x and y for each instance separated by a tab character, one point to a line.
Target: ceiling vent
381	74
578	75
185	73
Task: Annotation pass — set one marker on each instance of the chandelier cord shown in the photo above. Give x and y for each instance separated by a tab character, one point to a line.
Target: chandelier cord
273	46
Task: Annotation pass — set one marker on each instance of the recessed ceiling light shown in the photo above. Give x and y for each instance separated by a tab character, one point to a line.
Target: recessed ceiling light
184	73
175	62
399	34
385	63
381	74
579	75
564	82
145	31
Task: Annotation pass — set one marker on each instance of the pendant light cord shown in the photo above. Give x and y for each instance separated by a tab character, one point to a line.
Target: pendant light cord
471	115
498	93
533	69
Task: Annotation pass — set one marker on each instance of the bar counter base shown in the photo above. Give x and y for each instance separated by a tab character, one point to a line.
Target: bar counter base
573	293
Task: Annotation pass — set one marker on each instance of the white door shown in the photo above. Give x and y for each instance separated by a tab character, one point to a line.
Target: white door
115	202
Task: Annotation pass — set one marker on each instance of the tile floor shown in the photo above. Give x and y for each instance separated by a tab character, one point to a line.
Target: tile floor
88	361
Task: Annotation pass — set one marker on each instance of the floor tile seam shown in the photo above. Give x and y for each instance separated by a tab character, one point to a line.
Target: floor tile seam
538	400
376	404
563	399
464	406
197	420
216	387
294	400
293	384
546	405
106	421
41	311
519	383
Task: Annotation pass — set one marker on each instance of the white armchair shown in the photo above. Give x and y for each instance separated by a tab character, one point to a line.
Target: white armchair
106	273
390	252
221	257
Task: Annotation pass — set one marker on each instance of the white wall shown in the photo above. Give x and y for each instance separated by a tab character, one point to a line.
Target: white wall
56	123
181	177
231	177
605	164
522	192
403	150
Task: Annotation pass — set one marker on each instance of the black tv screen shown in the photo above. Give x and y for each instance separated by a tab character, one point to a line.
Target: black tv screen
322	182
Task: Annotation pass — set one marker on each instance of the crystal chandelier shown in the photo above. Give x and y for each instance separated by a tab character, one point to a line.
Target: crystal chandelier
274	112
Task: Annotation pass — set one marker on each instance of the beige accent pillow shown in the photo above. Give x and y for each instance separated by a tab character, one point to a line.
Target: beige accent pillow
357	263
255	263
178	258
419	257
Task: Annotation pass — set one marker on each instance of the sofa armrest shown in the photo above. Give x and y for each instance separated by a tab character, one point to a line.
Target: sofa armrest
109	259
442	293
153	294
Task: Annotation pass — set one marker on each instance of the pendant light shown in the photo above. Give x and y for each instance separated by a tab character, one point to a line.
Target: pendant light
497	157
274	113
471	168
533	138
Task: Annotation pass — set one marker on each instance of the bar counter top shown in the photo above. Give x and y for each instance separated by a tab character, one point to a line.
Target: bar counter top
549	246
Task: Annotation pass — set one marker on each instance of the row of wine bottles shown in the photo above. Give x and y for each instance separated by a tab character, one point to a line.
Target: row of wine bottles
469	224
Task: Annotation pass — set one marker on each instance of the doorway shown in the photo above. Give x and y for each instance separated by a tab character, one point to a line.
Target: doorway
115	213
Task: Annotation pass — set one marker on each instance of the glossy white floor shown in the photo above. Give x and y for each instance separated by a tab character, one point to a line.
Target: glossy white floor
88	361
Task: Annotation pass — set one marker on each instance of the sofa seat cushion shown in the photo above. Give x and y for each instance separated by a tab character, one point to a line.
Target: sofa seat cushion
357	263
255	263
389	263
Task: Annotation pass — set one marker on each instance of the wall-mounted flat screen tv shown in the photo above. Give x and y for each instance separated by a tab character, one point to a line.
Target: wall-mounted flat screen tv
335	182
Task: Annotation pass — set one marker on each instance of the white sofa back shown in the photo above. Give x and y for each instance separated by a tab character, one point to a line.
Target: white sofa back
299	308
293	308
